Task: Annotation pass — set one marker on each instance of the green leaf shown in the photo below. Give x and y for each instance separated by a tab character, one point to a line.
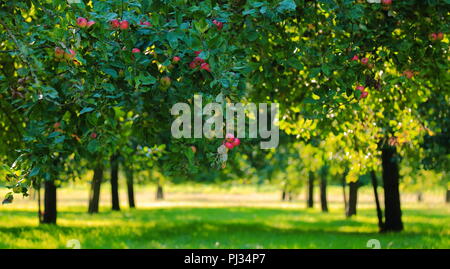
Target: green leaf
86	110
286	5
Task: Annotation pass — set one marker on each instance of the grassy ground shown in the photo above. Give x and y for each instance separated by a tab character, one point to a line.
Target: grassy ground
223	219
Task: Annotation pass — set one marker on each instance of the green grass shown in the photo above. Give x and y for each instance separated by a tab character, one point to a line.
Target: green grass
220	227
225	217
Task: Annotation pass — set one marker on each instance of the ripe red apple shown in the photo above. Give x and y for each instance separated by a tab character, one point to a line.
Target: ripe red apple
176	59
135	50
440	36
194	149
433	37
56	125
146	23
205	66
124	25
229	145
236	142
193	65
198	60
218	24
94	135
365	61
197	52
360	88
59	52
114	23
70	55
386	2
355	58
364	94
90	23
82	22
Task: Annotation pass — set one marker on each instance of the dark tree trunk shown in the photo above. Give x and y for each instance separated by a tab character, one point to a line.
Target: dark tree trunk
343	191
159	193
310	198
419	197
323	193
391	178
352	199
94	197
447	197
373	176
283	195
49	216
115	183
130	187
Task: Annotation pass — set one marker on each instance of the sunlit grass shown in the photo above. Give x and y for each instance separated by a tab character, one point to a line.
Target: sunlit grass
219	223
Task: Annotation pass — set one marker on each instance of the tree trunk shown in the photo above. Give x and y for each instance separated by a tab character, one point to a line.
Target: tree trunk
310	200
373	176
50	213
419	197
159	193
343	191
323	193
115	182
391	178
447	197
130	187
352	199
284	194
94	197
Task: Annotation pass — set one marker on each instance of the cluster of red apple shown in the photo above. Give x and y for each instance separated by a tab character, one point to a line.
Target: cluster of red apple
69	56
84	23
231	141
364	61
436	36
386	2
122	25
199	62
364	93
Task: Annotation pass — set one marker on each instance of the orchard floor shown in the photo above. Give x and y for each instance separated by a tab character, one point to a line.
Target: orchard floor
214	218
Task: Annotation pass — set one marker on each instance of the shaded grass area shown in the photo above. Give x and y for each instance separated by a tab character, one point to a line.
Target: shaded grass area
221	227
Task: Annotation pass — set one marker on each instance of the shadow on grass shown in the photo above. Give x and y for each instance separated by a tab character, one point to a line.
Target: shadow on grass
230	227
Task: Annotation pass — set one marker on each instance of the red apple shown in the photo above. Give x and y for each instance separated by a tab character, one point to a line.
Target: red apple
229	145
218	24
364	94
355	58
205	66
90	23
386	2
82	22
124	25
59	52
94	135
70	55
433	37
176	59
440	36
194	149
146	23
236	142
114	23
135	50
197	52
56	125
365	61
360	88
